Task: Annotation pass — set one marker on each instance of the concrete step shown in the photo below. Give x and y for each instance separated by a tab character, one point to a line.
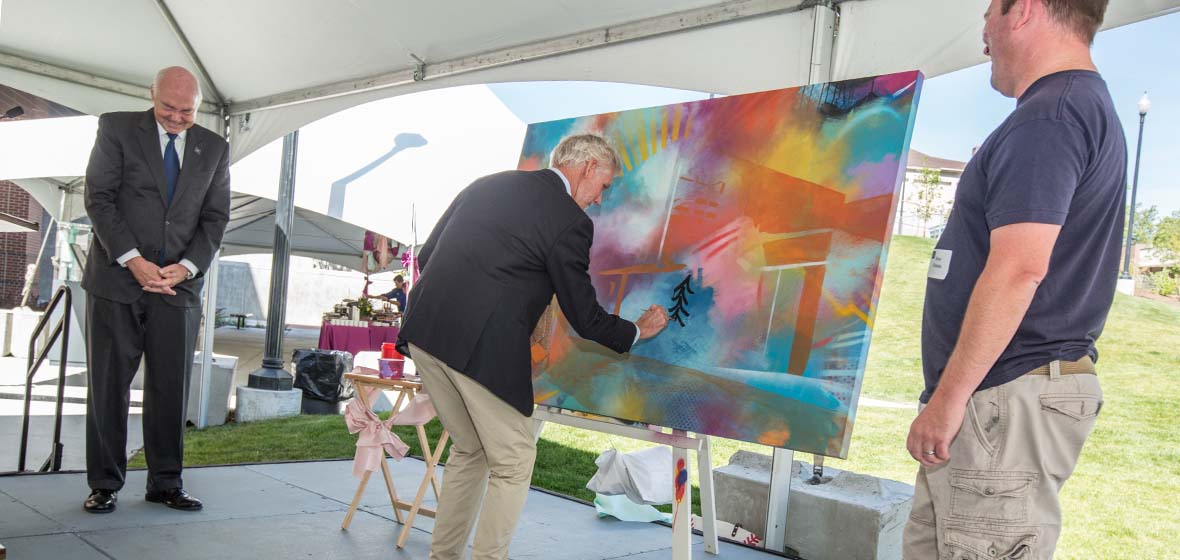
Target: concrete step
48	393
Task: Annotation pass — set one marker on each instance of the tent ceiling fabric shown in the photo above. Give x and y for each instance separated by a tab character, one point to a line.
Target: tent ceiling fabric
265	50
761	43
251	230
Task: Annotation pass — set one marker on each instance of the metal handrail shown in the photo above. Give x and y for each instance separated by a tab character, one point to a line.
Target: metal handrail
61	329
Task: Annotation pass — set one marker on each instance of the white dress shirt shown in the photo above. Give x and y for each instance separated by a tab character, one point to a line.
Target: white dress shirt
570	192
178	144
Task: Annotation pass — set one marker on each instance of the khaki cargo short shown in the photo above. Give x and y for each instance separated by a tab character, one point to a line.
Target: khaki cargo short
997	496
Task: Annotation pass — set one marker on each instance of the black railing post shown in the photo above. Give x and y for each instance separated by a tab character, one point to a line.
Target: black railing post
61	329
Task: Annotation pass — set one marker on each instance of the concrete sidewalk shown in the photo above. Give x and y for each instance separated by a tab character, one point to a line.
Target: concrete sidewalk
73	434
293	510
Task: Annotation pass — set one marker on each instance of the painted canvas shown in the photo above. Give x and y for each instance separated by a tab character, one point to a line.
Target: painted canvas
761	222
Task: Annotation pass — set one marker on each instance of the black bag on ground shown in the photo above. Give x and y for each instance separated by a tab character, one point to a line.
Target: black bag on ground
320	375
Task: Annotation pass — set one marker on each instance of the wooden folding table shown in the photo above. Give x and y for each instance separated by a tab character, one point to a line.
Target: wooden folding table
406	390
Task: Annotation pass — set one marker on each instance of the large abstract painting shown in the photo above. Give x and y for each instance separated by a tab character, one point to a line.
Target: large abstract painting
761	222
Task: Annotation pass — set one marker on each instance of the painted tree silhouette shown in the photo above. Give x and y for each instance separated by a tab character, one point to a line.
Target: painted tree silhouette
680	300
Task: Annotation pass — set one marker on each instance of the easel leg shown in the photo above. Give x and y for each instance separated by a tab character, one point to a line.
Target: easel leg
681	505
708	507
782	463
356	500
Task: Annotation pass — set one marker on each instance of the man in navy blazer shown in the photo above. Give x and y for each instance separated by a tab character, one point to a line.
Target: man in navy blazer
157	192
508	243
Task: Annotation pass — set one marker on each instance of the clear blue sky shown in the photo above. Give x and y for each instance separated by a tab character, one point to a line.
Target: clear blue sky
958	110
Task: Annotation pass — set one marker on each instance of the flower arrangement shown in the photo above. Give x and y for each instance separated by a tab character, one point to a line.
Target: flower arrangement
364	306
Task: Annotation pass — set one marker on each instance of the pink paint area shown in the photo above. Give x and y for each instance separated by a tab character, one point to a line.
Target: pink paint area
878	178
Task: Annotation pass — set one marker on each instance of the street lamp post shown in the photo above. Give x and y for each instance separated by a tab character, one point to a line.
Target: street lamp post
1144	104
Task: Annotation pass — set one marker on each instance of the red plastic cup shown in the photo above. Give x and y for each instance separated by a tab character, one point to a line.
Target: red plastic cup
389	351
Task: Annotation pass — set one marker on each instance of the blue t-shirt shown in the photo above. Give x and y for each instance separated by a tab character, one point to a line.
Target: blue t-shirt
398	295
1059	158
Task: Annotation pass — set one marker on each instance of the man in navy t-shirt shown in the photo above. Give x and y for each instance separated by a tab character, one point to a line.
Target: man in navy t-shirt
1018	290
398	293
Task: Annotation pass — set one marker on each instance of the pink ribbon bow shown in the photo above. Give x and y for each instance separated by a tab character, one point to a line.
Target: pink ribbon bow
375	438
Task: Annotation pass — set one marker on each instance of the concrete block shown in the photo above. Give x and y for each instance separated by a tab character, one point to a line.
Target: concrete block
1126	286
851	517
742	491
5	333
262	404
23	323
221	380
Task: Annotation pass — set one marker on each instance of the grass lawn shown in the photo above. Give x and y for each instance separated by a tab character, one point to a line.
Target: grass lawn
1122	502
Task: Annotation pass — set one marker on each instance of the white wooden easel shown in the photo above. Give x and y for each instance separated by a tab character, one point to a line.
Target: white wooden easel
681	443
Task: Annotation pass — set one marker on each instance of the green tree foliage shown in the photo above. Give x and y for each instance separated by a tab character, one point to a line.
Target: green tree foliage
928	198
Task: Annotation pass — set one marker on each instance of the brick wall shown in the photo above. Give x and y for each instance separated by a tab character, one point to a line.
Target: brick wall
17	250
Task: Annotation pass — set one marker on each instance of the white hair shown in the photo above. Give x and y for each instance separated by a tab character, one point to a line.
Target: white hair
581	148
165	71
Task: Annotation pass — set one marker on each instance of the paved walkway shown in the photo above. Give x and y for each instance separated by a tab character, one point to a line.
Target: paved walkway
293	510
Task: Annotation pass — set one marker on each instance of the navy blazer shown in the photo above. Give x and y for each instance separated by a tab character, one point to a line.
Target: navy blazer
507	244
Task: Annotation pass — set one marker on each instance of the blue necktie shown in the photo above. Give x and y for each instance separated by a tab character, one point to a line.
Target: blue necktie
171	166
171	175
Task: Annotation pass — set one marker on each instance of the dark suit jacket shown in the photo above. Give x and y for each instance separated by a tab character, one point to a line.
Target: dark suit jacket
490	268
126	198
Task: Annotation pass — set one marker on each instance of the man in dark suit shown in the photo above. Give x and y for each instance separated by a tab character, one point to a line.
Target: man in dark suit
157	192
506	245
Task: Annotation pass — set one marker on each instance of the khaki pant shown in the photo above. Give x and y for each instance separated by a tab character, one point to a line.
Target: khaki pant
997	496
491	461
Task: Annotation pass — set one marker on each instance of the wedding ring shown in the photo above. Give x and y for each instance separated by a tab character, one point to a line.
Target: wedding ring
928	453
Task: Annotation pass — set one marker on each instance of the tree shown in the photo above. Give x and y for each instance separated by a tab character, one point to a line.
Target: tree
1146	221
1166	239
929	200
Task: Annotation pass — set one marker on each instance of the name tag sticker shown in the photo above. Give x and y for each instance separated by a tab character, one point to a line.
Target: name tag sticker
940	264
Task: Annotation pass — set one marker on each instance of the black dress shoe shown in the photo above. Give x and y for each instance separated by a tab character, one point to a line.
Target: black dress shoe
175	498
101	501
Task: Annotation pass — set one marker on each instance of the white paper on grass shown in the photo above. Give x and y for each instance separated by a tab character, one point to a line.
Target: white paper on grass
644	476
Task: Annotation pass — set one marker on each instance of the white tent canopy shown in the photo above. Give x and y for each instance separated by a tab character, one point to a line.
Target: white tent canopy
251	230
272	66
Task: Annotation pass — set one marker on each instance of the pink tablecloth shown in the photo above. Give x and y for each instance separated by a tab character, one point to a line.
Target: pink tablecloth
355	339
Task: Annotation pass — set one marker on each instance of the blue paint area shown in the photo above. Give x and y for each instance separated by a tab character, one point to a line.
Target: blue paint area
540	139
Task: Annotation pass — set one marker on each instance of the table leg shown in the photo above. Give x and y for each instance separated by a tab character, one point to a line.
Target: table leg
428	480
401	396
432	456
389	486
356	500
361	394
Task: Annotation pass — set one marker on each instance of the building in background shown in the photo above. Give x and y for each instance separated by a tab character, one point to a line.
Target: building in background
19	250
927	194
